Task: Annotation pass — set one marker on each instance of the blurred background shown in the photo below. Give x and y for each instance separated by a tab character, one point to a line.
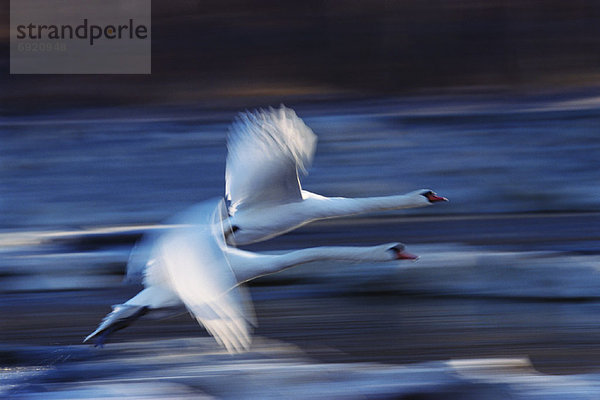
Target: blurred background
217	51
493	104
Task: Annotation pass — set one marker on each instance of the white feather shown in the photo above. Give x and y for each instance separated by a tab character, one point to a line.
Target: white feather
193	258
267	150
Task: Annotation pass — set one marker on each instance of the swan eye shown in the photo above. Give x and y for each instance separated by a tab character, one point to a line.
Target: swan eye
401	254
396	250
235	228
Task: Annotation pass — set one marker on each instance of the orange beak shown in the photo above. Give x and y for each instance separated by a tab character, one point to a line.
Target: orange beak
405	255
432	197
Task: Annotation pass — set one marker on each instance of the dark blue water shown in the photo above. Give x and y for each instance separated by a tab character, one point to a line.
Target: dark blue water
508	268
114	167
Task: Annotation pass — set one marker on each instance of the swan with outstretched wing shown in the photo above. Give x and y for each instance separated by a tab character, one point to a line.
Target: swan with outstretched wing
191	264
268	151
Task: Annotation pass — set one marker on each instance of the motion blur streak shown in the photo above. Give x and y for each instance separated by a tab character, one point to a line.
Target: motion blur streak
494	104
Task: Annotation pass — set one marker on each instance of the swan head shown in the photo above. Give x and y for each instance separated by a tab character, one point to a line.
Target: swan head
397	251
431	197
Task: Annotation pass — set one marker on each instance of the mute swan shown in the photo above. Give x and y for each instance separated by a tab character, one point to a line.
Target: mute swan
192	264
267	150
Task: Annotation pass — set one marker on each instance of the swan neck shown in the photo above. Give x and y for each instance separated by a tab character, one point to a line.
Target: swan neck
342	206
268	264
303	256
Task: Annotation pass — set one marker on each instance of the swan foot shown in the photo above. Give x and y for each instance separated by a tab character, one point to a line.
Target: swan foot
121	317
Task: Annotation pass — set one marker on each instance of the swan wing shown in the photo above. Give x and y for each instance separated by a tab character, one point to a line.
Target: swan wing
199	272
139	258
267	150
143	255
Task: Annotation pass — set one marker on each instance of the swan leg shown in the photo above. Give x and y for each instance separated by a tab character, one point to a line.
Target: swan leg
121	316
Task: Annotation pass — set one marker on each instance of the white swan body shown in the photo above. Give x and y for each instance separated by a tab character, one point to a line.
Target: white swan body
267	151
262	223
192	265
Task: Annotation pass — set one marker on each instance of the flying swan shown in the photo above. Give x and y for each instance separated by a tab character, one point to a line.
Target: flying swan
267	152
191	264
